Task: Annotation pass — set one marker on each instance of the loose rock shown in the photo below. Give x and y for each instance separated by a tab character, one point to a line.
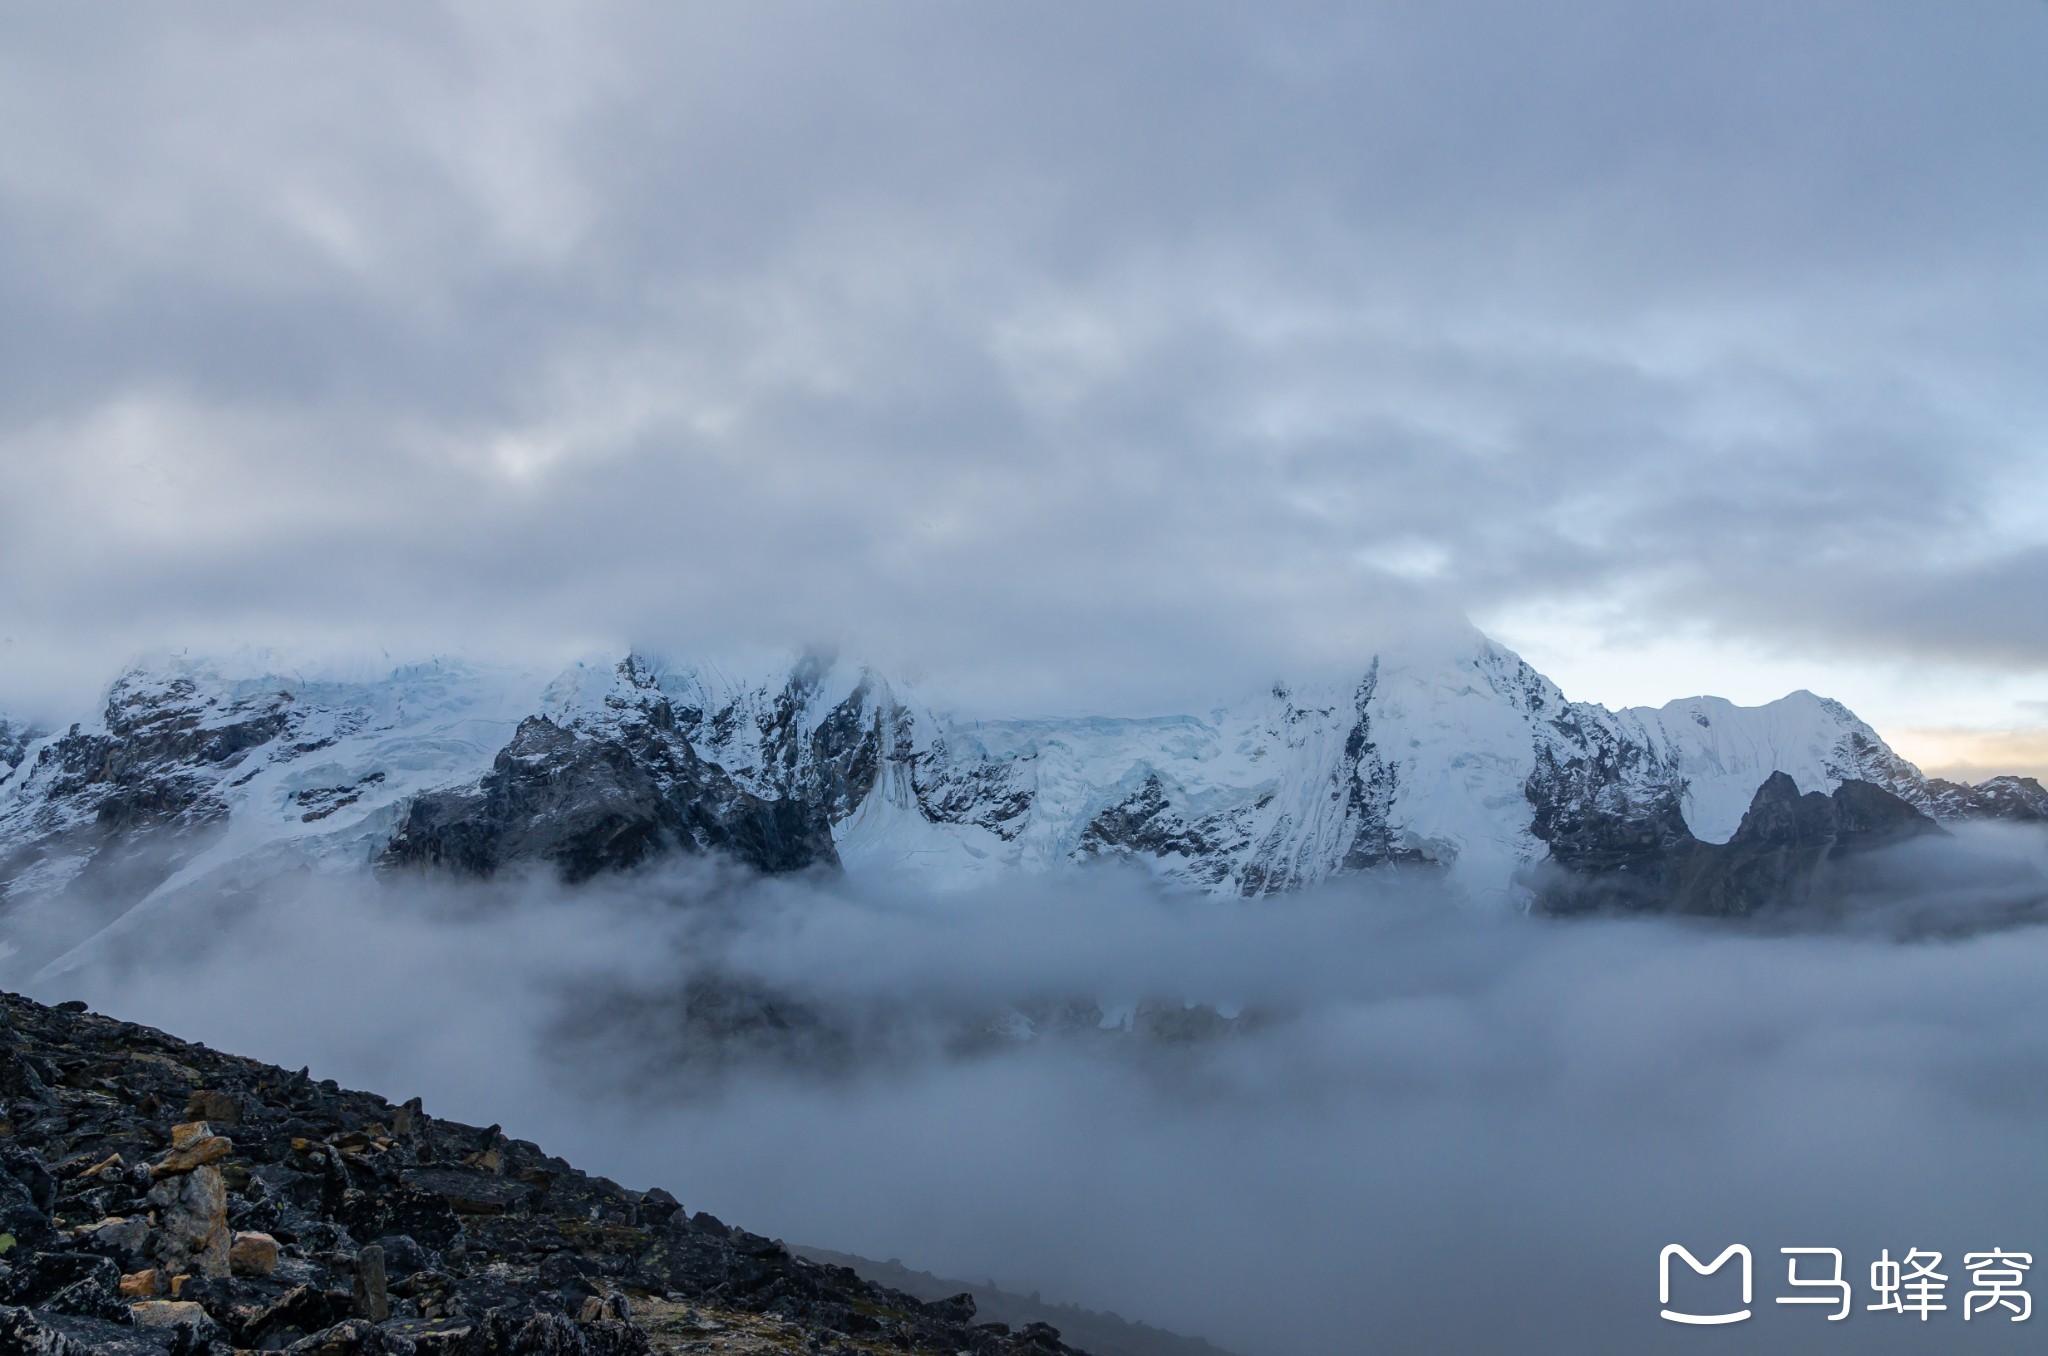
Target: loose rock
252	1254
168	1314
371	1299
194	1153
126	1240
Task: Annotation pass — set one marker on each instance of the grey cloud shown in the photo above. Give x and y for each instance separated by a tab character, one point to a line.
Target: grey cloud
1053	346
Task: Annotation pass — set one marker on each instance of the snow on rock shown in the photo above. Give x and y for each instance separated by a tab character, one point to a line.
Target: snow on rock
15	737
199	771
1725	752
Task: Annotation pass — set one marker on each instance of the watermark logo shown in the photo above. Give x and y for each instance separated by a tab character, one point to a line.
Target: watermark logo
1672	1250
1912	1286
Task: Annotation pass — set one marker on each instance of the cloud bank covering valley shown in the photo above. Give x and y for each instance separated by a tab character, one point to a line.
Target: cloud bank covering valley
1399	1121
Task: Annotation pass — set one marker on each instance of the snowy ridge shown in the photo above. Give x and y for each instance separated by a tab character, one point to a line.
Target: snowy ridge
1460	758
197	772
1724	752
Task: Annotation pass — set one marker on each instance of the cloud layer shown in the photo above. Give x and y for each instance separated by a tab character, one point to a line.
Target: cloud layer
1431	1129
1104	357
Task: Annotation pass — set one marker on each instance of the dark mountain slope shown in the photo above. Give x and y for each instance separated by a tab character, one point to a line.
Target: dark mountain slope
1815	855
159	1197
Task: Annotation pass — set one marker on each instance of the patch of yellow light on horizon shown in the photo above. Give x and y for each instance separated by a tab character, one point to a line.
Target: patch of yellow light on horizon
1965	754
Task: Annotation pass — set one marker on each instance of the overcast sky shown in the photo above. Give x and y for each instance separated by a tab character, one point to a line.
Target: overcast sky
1088	355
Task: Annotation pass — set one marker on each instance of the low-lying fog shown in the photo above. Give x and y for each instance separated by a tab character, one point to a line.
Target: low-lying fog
1425	1128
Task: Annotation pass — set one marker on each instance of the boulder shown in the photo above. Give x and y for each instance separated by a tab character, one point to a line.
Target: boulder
194	1148
372	1301
123	1238
192	1222
252	1254
171	1314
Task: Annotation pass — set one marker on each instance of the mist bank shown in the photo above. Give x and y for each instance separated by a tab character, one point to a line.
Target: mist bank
1382	1120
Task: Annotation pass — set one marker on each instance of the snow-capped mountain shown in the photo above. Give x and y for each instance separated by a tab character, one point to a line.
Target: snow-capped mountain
218	773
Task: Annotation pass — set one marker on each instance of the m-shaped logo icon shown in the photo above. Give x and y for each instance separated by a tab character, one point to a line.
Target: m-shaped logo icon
1672	1250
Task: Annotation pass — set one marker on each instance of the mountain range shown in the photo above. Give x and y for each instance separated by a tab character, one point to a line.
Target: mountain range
209	773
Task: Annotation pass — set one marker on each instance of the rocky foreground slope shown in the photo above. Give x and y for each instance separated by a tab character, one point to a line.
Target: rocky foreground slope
160	1197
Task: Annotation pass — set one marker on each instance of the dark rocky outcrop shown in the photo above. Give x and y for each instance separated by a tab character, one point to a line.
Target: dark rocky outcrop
994	794
834	766
1603	804
1250	847
783	743
588	804
1370	784
140	797
142	770
1144	822
15	737
316	1220
1791	851
2018	800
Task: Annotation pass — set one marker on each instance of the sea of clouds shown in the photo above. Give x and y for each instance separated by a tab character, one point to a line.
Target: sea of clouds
1426	1128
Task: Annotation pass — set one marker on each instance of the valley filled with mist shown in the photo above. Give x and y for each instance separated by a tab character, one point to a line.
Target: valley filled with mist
1367	1116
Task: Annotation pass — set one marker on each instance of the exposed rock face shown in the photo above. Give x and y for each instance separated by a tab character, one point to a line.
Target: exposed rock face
1146	822
1787	854
1598	797
15	737
622	770
1268	843
590	803
2021	800
132	800
434	1238
978	791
